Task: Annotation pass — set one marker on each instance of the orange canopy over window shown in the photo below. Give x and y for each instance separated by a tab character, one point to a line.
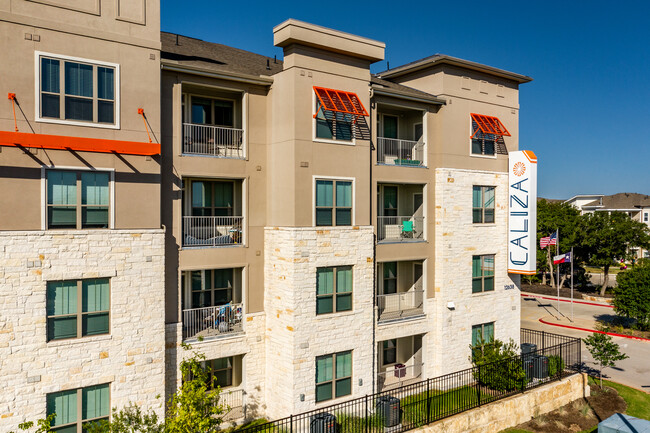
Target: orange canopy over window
339	101
489	125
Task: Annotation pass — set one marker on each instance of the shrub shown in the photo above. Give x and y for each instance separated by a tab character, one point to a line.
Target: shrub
555	365
498	366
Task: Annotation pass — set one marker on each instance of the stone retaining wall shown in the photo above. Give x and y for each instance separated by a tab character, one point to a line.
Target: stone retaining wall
514	410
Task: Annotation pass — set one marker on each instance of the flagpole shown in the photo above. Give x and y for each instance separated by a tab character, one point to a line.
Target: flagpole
557	252
571	284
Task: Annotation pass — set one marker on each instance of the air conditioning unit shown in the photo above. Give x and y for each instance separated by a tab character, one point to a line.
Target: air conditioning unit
529	367
540	370
388	408
323	422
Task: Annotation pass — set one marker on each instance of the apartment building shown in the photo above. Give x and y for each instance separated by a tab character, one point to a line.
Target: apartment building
332	233
81	245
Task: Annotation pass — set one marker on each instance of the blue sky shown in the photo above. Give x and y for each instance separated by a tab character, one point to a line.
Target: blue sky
586	114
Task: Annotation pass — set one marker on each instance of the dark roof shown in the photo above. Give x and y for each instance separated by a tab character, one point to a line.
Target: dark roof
401	90
445	59
622	200
215	57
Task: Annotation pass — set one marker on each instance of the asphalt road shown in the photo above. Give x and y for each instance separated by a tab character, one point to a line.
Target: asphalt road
634	371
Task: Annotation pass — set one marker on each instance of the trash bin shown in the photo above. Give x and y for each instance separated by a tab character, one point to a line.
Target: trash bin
388	408
400	370
323	422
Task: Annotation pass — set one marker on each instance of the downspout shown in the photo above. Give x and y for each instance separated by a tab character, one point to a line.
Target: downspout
374	255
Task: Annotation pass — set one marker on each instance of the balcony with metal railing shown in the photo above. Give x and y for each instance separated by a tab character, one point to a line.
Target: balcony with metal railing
394	151
234	404
399	375
212	231
208	140
400	229
395	306
216	321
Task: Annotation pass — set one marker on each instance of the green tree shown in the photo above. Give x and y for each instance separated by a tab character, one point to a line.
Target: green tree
195	406
42	425
632	296
608	236
131	419
604	351
499	367
550	217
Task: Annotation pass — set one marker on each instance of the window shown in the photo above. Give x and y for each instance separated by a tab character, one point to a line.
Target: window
482	334
483	204
333	376
334	126
78	91
482	143
390	278
77	200
217	112
219	372
389	352
645	217
390	201
482	273
212	198
71	417
77	308
211	287
333	203
333	294
389	126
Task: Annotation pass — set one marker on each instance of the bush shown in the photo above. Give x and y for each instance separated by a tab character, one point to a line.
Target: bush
498	366
632	296
555	365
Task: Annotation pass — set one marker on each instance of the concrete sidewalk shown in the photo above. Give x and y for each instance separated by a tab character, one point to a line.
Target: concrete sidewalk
576	300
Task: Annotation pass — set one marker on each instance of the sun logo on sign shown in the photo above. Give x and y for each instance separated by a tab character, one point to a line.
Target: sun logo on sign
519	169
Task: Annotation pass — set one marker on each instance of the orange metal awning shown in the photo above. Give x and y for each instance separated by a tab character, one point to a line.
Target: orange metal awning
80	144
339	101
489	125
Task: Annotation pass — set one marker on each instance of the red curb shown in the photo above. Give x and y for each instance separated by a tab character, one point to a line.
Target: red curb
566	300
593	331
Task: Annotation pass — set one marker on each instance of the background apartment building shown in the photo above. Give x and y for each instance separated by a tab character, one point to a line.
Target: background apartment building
81	244
332	232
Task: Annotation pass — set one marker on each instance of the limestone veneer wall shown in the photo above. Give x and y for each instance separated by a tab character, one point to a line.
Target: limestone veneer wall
457	239
130	358
514	410
295	335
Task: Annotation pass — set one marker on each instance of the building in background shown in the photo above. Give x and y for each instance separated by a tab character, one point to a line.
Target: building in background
637	206
81	244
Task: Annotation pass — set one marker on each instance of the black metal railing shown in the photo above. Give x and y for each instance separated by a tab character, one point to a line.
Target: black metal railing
417	404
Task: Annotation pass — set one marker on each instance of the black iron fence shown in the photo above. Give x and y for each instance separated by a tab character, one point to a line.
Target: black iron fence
549	357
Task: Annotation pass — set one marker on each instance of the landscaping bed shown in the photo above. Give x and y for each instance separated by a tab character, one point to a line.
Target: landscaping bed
565	292
582	416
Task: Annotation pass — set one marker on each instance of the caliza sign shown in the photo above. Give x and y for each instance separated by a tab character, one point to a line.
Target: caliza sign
522	213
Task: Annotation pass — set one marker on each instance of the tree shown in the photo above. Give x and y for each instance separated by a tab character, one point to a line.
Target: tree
608	236
632	296
42	425
604	351
499	367
131	419
550	217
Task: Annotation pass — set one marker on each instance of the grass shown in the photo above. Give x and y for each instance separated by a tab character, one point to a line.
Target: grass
638	402
597	270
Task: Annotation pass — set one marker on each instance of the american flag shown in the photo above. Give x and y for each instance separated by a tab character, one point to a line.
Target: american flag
548	240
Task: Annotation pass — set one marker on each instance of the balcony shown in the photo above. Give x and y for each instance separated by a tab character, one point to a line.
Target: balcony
234	404
393	151
212	213
212	231
201	323
397	306
400	362
207	140
400	136
401	290
401	215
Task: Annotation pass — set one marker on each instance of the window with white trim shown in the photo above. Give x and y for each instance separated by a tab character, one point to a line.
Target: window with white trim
78	91
333	202
333	376
483	204
77	199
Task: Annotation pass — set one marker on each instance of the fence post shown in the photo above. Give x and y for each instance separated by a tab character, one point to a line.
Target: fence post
367	418
478	385
291	423
428	402
543	340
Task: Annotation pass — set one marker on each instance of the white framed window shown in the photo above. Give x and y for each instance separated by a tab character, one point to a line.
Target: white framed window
332	127
76	91
75	198
333	202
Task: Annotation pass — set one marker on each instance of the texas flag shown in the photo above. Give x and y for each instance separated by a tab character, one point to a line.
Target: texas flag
562	258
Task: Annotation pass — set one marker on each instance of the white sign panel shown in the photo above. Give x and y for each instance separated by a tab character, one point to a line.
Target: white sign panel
522	213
